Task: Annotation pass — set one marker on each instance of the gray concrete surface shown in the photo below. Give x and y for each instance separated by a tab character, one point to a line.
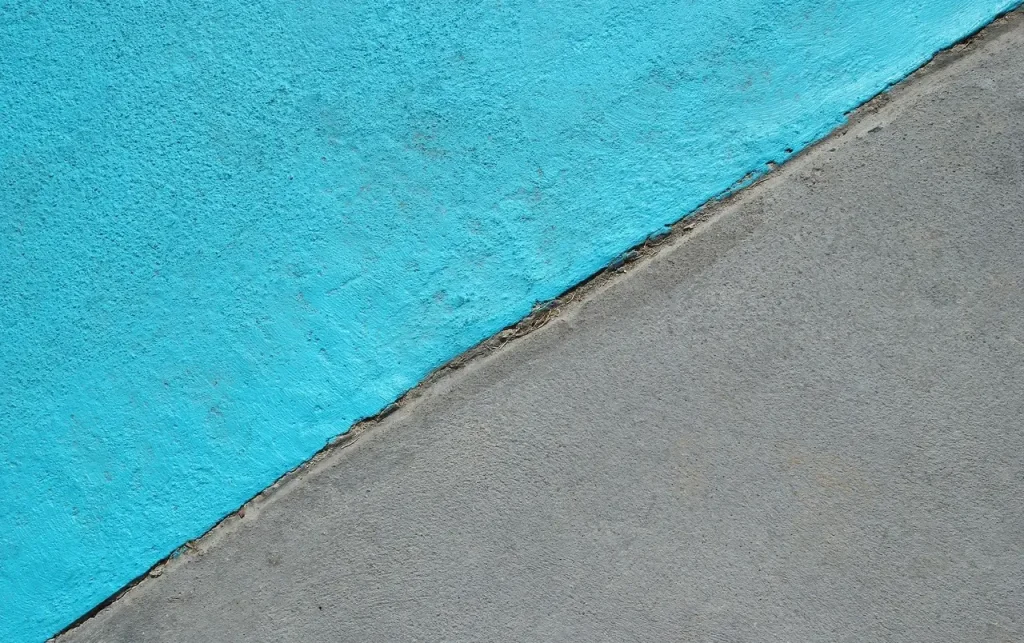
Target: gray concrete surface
803	422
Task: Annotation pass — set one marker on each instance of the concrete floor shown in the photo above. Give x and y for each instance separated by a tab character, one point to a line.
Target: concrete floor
802	422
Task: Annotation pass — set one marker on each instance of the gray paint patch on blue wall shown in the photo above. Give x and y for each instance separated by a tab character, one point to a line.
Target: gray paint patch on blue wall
230	231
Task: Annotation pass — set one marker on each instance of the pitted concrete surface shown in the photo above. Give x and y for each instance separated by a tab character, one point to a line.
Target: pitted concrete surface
804	422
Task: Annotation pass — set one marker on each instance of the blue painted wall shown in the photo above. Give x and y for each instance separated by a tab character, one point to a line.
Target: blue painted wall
229	230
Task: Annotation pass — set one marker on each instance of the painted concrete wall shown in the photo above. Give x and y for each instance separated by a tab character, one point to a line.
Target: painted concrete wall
231	231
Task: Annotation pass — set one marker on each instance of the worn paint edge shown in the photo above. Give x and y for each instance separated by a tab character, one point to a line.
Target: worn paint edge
857	121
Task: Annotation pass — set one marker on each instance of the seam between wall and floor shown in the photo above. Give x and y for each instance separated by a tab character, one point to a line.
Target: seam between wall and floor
865	119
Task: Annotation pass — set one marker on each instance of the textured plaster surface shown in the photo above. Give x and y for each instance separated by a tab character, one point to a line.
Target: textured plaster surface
802	423
230	230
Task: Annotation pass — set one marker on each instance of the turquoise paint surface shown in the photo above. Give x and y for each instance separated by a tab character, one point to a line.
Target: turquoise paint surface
228	232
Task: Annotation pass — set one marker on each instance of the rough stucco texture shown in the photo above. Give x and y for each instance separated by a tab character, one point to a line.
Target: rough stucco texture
230	231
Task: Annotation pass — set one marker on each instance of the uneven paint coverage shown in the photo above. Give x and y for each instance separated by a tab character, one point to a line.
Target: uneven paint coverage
230	231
